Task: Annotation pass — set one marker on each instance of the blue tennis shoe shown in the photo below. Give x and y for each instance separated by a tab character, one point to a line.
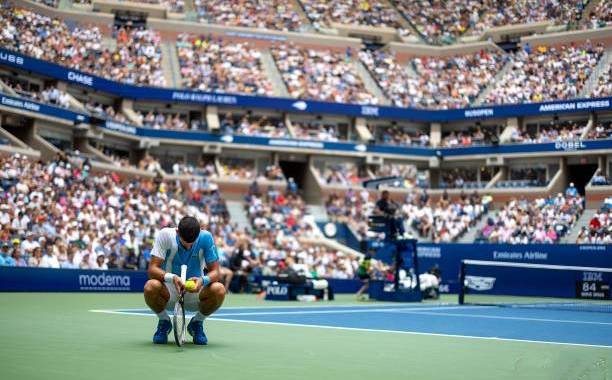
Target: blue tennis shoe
163	329
196	330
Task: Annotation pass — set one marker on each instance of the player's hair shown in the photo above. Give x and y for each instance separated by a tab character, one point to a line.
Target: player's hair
189	229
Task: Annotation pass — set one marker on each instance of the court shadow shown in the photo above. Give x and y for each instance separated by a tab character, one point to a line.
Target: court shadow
170	347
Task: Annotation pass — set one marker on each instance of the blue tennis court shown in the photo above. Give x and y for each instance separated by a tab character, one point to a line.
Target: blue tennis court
471	322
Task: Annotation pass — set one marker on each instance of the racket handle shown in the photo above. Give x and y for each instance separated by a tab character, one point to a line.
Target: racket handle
184	273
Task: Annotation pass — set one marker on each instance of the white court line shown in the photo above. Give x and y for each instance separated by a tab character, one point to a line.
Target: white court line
410	333
502	317
369	310
373	330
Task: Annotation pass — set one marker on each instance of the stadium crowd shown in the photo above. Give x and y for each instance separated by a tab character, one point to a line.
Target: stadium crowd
544	220
433	82
209	64
360	12
546	73
251	125
321	75
136	58
267	14
61	215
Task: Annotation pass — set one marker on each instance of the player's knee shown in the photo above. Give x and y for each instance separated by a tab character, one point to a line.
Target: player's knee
152	287
218	290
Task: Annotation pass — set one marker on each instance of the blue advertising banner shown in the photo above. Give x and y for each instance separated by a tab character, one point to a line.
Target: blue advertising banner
62	113
448	257
70	280
538	281
14	59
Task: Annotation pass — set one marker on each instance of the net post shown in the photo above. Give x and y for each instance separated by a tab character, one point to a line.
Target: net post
462	283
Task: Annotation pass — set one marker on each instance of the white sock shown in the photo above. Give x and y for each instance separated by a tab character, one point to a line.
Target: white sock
163	315
199	317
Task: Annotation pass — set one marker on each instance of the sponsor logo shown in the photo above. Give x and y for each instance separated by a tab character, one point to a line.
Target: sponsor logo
369	111
527	255
297	143
80	78
479	283
20	104
277	290
479	112
104	282
301	105
113	125
360	148
227	139
570	145
570	106
11	58
204	98
592	276
429	252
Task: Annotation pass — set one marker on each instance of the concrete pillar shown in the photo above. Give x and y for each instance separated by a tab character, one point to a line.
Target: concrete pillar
212	118
435	134
363	133
512	124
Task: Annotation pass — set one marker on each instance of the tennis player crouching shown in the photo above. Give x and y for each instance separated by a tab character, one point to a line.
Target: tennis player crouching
191	246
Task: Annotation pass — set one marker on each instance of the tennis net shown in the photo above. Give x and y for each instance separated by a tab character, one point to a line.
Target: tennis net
535	286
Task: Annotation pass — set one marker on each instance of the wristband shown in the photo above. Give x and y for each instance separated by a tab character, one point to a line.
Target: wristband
169	277
205	281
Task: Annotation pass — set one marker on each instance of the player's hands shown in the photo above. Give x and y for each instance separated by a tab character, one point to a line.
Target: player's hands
198	284
178	284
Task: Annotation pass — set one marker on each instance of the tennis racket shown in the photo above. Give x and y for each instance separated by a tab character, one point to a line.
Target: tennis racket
178	318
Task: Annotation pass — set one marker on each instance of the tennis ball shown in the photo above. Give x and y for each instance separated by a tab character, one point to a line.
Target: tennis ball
190	285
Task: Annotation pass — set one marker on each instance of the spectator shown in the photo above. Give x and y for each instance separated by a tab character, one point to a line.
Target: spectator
217	66
548	73
320	75
433	82
260	14
5	257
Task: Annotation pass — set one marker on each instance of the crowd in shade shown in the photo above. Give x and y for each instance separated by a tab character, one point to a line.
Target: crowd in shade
321	74
396	135
463	138
161	120
406	175
556	131
316	131
50	95
344	174
136	58
601	130
211	64
252	125
61	215
459	178
603	87
266	14
433	82
361	12
546	73
544	220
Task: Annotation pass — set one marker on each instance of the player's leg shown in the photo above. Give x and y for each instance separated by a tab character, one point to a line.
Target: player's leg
210	299
157	296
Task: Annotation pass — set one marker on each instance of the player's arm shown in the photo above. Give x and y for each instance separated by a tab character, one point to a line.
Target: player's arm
158	257
213	273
